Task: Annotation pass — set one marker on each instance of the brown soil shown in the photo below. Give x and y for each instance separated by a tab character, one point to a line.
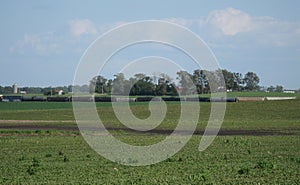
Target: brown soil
223	132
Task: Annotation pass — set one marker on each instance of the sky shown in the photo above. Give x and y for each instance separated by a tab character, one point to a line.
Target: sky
42	41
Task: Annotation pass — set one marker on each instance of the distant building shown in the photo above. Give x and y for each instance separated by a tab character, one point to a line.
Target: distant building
23	92
59	92
15	89
289	91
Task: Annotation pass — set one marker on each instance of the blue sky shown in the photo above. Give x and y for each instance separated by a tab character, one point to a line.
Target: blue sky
42	41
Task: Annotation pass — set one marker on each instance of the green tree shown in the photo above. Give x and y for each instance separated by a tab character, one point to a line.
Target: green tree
98	85
119	83
216	81
279	88
6	90
109	86
201	82
229	79
271	88
251	81
164	85
141	85
237	81
171	89
186	83
161	87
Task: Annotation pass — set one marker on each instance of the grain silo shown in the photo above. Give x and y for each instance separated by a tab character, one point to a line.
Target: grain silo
15	89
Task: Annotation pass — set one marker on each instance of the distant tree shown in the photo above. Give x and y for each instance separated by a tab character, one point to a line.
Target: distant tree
186	82
109	86
141	85
81	88
70	88
271	88
164	85
201	81
171	90
32	90
216	81
98	85
201	78
84	88
118	86
279	88
237	82
229	79
251	81
161	87
6	90
50	91
139	76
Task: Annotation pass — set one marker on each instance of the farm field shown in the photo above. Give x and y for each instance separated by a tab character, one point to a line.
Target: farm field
258	144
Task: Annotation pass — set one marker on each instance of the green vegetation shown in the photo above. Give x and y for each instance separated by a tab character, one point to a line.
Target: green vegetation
242	115
141	84
261	94
203	81
229	160
54	155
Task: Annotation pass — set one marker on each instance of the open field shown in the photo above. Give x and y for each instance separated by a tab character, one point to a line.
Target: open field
229	160
243	115
259	145
261	94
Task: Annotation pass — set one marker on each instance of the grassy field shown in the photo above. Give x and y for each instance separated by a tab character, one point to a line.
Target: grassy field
242	115
58	156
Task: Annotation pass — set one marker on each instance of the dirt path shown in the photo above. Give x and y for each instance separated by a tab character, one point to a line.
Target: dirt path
229	132
37	121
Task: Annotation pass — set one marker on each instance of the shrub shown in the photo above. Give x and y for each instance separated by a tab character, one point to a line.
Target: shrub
297	160
265	165
22	158
48	155
35	162
66	159
31	170
244	170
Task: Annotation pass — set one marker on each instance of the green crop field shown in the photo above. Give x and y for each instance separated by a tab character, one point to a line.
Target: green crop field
261	94
259	143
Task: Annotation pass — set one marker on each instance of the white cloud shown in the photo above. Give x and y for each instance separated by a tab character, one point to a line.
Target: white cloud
106	27
82	27
37	43
274	32
180	21
233	28
227	28
231	21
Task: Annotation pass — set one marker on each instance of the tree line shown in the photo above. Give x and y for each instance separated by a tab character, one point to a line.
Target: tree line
159	85
142	84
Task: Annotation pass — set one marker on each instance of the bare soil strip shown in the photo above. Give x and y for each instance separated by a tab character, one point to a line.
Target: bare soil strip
37	121
227	132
